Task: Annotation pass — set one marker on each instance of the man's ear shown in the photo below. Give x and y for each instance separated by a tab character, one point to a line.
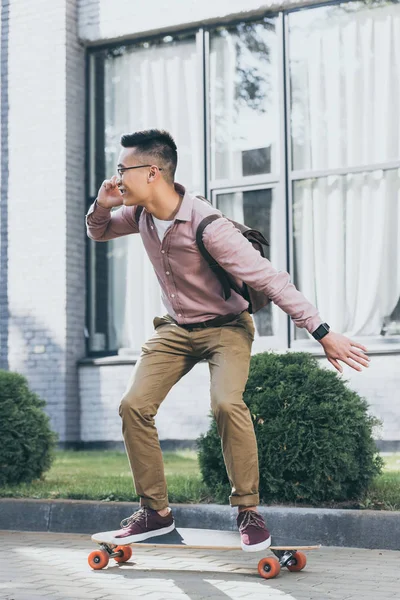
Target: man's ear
152	174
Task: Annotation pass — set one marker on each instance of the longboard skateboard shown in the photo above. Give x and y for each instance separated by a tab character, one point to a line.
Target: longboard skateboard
290	557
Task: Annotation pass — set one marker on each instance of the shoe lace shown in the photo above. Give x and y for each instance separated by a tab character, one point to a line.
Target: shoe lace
252	518
139	515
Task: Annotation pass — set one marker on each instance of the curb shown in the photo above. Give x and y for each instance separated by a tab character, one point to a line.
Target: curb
301	526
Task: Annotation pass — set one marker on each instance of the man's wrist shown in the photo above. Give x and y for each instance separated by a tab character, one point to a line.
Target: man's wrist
98	203
321	332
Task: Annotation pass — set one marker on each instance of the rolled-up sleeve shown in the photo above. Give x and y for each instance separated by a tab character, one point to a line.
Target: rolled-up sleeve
103	224
237	256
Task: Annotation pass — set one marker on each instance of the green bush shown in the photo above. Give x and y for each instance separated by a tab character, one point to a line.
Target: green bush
26	440
314	434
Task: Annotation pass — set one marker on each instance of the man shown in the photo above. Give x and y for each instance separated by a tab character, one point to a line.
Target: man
200	324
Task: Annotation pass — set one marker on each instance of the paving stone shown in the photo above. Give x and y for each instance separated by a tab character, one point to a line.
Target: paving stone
54	567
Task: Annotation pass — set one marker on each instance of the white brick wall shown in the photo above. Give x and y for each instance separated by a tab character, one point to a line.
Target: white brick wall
103	20
4	20
46	204
75	209
184	413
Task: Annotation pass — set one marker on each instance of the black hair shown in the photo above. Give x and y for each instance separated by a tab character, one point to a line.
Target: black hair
155	143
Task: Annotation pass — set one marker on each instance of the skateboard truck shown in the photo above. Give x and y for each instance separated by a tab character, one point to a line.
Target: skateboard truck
286	557
100	558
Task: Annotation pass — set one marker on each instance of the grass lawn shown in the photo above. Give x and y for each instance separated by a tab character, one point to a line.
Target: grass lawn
385	490
106	476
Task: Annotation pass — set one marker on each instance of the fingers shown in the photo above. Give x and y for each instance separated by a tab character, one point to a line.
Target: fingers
362	354
110	184
351	364
360	358
357	345
335	363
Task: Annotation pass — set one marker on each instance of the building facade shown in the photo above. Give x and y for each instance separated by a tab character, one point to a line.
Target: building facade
286	117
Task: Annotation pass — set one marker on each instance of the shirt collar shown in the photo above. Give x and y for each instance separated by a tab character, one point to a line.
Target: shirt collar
185	210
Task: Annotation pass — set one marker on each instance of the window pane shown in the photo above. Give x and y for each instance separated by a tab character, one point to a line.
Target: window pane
344	77
254	209
155	85
146	86
347	248
244	107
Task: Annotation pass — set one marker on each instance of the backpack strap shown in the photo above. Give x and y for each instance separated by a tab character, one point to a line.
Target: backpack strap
218	270
138	212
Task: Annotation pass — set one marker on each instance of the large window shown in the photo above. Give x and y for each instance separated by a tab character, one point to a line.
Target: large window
345	131
289	124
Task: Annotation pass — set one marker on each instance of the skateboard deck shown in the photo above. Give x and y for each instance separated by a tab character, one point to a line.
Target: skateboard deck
290	556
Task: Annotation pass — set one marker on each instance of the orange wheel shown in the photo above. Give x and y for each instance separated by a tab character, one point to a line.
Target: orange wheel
98	559
301	561
269	568
126	553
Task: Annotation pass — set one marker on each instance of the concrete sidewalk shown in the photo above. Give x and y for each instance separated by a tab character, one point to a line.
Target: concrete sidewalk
49	566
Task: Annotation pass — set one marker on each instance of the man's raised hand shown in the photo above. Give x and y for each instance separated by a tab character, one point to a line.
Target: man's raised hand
109	194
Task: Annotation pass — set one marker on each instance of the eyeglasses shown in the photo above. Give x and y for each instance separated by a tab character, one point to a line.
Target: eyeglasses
121	170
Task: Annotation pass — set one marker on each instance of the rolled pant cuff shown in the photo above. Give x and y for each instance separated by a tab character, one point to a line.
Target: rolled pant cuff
249	500
154	504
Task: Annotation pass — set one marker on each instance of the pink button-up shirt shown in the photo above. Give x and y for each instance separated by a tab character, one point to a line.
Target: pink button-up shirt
190	290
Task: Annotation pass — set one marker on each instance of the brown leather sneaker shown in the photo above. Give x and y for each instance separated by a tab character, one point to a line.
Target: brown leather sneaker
143	524
253	532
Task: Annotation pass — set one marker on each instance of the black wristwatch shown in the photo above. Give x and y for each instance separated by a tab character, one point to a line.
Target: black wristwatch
321	331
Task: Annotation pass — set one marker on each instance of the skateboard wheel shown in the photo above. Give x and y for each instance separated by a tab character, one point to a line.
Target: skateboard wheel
98	559
300	562
269	568
126	553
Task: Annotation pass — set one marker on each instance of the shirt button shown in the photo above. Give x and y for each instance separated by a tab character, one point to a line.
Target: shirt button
167	272
172	295
179	315
162	251
151	227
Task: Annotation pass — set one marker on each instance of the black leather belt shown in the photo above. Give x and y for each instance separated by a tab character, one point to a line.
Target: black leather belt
217	322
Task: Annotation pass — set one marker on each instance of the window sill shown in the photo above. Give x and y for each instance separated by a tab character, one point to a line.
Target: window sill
376	346
106	361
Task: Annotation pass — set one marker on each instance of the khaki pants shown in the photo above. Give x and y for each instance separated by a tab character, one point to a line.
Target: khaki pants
168	355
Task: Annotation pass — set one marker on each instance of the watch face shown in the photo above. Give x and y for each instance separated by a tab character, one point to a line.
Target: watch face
321	331
324	330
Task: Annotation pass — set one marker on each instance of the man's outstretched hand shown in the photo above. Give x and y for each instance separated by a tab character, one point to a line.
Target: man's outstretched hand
339	347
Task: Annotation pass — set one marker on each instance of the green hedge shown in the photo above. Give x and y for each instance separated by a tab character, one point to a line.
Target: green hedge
26	440
314	434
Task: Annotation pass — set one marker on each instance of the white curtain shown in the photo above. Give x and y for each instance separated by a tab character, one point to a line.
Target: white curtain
347	246
347	228
146	88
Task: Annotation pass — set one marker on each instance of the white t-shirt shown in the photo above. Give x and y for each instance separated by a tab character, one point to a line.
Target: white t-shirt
162	227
